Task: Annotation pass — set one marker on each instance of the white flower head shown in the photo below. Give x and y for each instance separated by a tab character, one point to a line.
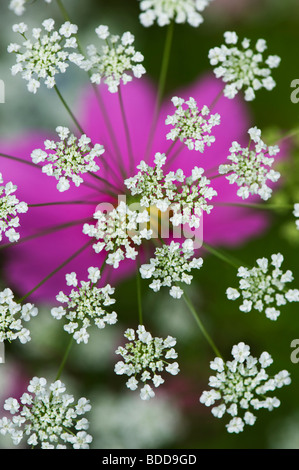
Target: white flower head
18	6
45	55
251	167
171	265
47	417
242	67
191	125
10	207
241	386
116	61
144	359
119	232
165	11
186	197
69	158
12	316
263	287
85	304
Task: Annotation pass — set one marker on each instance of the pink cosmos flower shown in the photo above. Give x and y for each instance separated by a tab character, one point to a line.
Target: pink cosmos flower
29	261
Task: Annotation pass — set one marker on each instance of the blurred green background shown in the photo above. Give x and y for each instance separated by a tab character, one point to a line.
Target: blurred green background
177	420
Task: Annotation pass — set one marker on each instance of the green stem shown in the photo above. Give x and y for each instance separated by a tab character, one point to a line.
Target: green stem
110	130
216	99
161	84
139	296
200	324
63	10
165	63
126	127
68	260
224	257
61	203
257	206
68	110
61	367
19	160
47	231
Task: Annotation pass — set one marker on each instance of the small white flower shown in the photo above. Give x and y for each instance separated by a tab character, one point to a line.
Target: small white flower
241	385
12	315
243	68
186	197
85	303
263	289
251	168
46	417
171	265
45	55
68	158
10	207
18	6
164	11
191	125
145	357
116	59
118	232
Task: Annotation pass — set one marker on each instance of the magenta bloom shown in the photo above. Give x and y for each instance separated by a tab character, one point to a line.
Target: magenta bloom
32	259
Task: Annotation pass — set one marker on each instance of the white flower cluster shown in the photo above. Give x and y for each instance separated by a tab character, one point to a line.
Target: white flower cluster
264	289
191	125
116	58
251	168
165	11
46	55
170	266
242	384
18	6
12	315
245	68
47	417
71	157
85	303
144	358
187	198
296	214
118	231
10	206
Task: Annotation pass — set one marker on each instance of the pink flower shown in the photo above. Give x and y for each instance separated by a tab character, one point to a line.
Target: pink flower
29	261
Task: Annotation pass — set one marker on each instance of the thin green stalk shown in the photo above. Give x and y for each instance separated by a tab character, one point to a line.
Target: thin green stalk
165	63
126	127
61	203
66	354
139	296
19	160
47	231
216	99
110	129
96	91
257	206
200	325
223	256
115	190
66	106
68	260
63	10
161	84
